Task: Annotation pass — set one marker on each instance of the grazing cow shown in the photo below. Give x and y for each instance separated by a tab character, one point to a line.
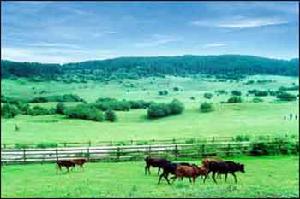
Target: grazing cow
206	161
64	163
190	172
154	162
80	162
170	168
225	167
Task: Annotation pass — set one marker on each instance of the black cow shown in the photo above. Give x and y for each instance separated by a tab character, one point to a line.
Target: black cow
154	162
224	167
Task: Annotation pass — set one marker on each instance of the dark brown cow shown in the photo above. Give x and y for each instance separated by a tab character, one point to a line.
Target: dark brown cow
225	167
154	162
80	162
64	163
190	172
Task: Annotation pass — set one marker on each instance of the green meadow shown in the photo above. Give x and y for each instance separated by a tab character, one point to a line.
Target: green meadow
250	118
127	179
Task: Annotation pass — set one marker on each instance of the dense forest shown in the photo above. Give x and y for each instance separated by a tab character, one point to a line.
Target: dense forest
136	67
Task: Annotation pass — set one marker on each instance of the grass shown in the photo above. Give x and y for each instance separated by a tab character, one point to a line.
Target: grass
229	120
273	176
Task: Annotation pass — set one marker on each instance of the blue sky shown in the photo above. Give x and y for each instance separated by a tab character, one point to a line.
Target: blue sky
60	32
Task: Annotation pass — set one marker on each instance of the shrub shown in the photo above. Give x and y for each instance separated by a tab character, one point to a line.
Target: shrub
240	138
292	88
46	145
192	98
58	98
140	104
176	107
208	95
257	100
163	92
38	110
175	89
111	103
236	93
258	149
9	110
235	99
110	115
284	96
261	93
250	82
60	107
206	107
85	112
157	110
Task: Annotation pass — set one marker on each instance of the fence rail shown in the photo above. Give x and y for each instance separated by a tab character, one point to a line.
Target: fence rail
134	152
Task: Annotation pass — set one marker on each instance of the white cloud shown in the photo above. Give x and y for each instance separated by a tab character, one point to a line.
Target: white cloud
157	40
213	45
241	22
53	55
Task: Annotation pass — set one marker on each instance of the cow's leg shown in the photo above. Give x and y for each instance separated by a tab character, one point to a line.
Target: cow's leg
174	178
147	169
190	180
166	177
214	177
235	179
194	180
226	176
206	176
161	175
158	170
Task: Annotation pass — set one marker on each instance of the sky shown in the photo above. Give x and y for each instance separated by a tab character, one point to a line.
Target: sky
60	32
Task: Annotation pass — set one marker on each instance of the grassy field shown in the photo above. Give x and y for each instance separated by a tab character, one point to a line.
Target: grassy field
273	176
226	120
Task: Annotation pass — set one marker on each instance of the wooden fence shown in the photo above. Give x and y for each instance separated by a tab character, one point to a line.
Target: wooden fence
138	152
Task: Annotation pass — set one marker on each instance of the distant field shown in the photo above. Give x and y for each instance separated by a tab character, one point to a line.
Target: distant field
226	120
273	176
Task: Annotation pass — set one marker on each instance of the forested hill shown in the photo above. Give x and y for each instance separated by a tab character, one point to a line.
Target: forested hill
153	66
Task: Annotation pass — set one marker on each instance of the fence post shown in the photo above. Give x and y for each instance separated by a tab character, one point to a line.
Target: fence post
90	143
174	141
88	153
149	150
118	154
228	150
56	152
176	152
131	141
213	139
65	144
202	150
24	154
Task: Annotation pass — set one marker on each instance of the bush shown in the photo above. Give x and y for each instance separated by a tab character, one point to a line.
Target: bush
140	104
235	99
111	103
38	110
60	107
175	89
9	110
206	107
58	98
284	96
208	95
163	92
157	110
85	112
258	149
176	107
250	82
240	138
46	145
261	93
236	93
257	100
110	115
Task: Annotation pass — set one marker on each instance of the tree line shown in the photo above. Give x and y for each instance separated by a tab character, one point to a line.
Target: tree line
228	66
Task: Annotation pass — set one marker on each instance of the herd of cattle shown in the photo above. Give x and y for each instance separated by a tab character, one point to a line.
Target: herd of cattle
178	169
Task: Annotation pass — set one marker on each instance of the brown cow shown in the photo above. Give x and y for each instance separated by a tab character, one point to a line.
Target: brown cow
190	172
80	162
64	163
